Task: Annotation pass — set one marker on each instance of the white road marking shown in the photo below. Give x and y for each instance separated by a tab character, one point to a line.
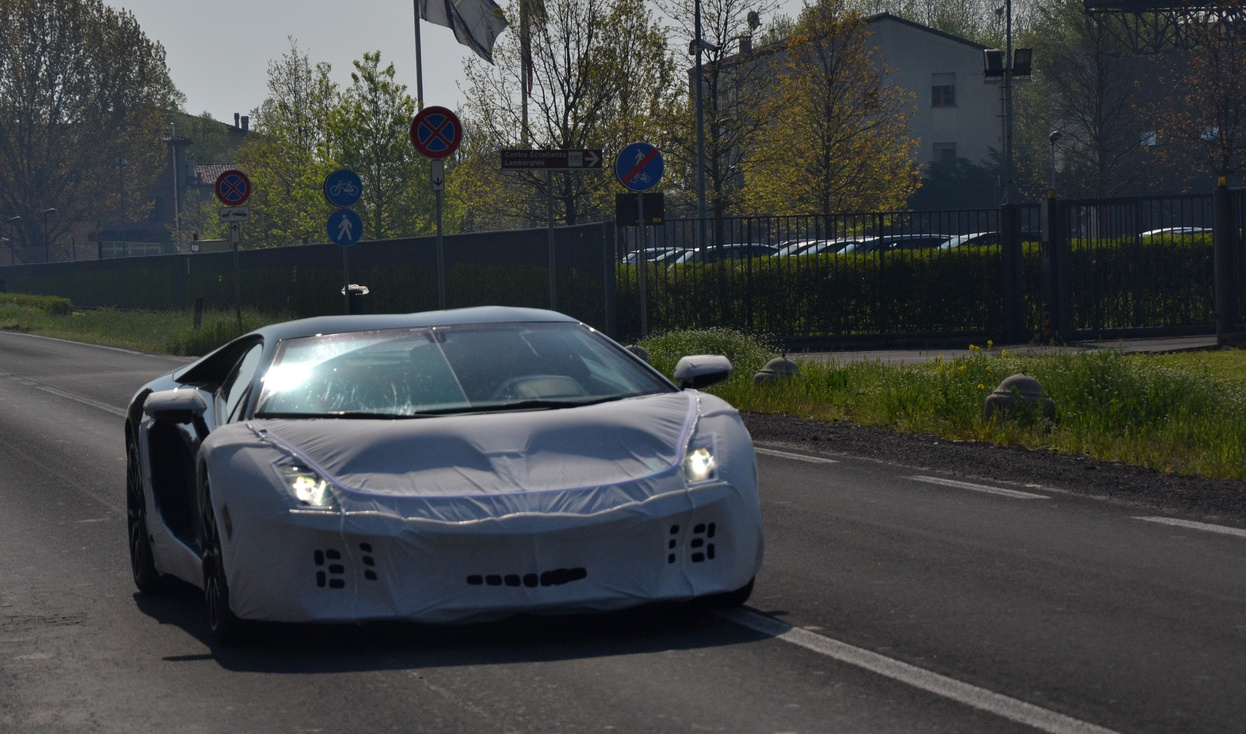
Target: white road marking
67	395
797	457
1223	529
940	685
980	488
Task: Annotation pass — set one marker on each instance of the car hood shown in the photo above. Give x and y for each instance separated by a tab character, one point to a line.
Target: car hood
494	453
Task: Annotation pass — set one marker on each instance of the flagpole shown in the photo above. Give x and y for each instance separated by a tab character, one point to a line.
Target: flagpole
419	61
525	64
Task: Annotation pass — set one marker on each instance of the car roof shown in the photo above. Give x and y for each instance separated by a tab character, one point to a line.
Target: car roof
422	319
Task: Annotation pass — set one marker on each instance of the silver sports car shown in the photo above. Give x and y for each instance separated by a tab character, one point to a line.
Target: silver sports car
438	467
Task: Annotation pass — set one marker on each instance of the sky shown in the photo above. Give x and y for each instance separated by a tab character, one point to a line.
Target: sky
218	53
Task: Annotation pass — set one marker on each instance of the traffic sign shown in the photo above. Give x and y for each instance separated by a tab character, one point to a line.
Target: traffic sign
344	227
436	132
342	187
551	160
437	170
639	166
233	187
235	213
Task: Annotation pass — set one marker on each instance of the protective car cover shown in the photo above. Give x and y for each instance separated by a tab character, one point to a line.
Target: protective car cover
575	508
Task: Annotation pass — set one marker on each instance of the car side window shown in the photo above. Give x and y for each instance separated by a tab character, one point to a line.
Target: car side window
236	387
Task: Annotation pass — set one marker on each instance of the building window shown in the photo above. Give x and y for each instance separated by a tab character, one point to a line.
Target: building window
944	153
942	90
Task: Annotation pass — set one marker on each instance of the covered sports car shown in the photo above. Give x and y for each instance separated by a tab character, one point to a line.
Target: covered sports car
438	467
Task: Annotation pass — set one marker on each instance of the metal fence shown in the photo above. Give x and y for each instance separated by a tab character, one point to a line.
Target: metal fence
889	276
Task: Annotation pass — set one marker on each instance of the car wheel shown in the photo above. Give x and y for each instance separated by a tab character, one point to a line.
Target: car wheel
731	599
142	559
222	622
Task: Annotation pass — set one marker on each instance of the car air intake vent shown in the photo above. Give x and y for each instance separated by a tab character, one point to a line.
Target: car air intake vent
328	572
699	548
556	577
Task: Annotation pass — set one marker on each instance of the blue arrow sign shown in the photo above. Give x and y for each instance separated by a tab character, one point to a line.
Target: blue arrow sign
639	166
345	227
342	187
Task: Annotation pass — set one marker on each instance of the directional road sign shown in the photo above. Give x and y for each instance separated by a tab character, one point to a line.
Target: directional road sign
233	188
550	160
639	166
436	132
342	187
344	227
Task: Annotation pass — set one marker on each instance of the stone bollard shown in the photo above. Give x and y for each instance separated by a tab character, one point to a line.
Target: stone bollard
777	369
1020	397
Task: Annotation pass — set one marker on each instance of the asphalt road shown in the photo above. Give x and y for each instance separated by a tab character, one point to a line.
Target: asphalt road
887	603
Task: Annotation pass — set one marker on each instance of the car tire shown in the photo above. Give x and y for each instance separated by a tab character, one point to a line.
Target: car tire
730	599
224	625
142	558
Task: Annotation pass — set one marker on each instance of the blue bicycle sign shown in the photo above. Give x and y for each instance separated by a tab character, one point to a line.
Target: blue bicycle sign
342	187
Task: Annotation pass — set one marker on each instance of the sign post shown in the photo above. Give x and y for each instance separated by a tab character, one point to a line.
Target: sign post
550	161
436	133
342	189
639	167
232	189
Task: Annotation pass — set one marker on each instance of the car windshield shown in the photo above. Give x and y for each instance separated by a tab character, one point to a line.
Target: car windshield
407	373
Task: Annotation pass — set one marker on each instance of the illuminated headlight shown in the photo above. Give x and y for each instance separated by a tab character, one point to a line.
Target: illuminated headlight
699	462
307	486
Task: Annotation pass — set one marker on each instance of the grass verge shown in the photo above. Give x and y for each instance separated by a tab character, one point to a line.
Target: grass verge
1183	413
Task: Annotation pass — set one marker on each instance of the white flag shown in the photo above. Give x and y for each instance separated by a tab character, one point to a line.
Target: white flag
476	23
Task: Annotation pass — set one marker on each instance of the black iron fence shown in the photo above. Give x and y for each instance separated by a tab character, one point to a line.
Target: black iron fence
1065	270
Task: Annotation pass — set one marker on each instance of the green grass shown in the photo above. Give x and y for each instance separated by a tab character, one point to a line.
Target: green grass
1181	413
146	331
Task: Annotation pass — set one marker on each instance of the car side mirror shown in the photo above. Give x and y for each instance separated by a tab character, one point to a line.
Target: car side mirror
702	370
175	406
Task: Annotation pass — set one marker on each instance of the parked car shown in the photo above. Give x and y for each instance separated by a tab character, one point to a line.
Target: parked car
795	247
732	251
654	255
894	242
1174	231
440	466
981	239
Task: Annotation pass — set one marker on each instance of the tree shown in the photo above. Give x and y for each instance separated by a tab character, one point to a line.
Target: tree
287	157
370	134
1209	120
838	139
734	93
602	77
81	89
1088	86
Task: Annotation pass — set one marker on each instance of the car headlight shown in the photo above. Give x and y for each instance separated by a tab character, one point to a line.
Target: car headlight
307	486
699	462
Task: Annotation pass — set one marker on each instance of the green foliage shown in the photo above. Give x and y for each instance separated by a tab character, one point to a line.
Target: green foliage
81	88
832	102
748	354
369	133
53	305
1164	412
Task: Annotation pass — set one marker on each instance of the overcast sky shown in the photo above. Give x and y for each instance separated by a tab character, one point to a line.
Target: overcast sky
218	53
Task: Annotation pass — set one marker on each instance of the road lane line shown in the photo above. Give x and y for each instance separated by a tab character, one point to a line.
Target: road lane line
940	685
1223	529
981	488
67	395
797	457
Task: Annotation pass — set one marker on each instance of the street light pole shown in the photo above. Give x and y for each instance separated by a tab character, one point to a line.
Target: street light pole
121	166
47	242
700	122
1052	138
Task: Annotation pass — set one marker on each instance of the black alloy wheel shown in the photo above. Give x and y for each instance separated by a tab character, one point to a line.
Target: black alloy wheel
142	560
222	622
